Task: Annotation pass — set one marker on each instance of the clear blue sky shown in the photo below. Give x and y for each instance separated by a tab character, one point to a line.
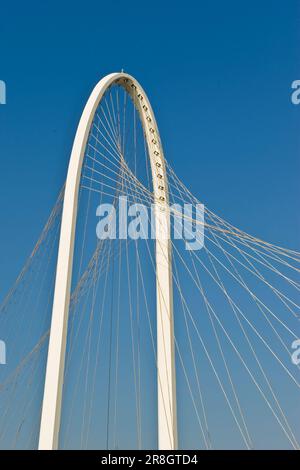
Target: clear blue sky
218	75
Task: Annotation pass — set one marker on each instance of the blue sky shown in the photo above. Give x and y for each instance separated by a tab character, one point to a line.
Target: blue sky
218	75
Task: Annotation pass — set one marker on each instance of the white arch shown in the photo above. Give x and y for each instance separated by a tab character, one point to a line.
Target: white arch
51	409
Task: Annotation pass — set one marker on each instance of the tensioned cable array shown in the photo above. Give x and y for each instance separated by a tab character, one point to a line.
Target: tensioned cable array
236	308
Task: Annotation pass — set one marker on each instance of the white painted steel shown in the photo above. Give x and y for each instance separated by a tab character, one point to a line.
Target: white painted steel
52	401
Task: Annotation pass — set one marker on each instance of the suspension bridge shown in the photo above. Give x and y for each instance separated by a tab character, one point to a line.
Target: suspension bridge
138	342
